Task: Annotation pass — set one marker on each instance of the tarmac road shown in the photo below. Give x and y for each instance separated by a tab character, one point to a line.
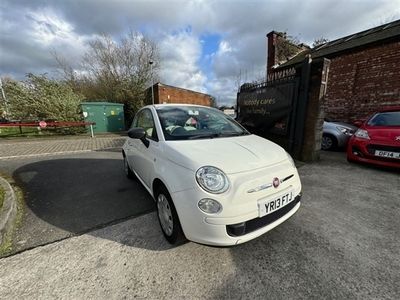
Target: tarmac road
72	194
342	243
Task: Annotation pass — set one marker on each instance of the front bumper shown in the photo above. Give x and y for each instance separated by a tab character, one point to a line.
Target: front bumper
239	221
343	140
360	150
198	229
241	229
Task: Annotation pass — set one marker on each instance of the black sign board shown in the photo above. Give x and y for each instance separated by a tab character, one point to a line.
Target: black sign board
267	108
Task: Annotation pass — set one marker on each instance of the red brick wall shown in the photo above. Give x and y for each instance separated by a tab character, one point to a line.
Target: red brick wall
170	94
271	53
363	81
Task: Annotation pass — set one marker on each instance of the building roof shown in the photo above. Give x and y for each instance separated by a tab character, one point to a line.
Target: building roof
178	88
384	32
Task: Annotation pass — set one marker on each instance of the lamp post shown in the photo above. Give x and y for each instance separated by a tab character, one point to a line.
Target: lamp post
152	84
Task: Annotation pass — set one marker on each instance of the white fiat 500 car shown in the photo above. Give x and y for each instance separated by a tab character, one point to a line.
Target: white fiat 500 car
213	182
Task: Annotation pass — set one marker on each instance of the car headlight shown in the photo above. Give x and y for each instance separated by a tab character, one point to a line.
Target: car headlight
212	179
344	130
361	133
291	160
210	206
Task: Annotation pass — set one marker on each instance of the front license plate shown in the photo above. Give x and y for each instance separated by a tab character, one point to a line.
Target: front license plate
266	207
387	154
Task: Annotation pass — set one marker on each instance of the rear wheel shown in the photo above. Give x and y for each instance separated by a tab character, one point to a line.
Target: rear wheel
168	217
328	142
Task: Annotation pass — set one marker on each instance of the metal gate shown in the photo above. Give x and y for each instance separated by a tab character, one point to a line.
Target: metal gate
276	109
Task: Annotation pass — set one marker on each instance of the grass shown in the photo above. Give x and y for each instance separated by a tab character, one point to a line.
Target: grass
15	132
32	132
2	195
7	244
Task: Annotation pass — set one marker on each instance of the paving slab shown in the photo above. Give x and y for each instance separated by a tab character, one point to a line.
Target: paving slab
10	149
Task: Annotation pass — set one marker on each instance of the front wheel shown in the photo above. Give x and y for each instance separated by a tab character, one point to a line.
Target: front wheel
168	218
328	142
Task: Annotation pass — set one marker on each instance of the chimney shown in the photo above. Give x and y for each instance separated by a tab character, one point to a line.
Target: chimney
272	58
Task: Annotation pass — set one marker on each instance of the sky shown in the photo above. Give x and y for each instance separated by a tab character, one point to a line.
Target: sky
207	46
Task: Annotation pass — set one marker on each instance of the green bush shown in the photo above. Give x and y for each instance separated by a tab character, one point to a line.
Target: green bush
40	98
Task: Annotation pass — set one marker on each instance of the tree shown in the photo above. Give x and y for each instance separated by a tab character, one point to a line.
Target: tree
40	98
116	71
286	46
213	101
319	41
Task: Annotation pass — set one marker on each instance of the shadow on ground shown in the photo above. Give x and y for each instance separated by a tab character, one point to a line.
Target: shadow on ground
65	197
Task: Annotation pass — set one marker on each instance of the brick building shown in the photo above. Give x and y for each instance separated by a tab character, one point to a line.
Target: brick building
170	94
364	73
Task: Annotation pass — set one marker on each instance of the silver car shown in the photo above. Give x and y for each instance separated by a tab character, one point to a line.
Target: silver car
336	135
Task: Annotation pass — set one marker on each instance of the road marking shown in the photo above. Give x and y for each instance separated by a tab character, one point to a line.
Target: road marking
55	153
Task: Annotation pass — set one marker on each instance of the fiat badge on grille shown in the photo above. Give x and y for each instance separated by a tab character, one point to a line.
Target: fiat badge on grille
276	182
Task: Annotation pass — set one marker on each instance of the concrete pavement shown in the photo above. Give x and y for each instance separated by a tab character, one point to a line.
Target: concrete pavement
18	148
342	243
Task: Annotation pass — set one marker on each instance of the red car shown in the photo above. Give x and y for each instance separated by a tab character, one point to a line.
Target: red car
377	141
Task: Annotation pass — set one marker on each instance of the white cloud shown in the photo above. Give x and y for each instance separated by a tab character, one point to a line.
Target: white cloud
233	66
66	26
47	27
224	47
180	54
39	33
224	89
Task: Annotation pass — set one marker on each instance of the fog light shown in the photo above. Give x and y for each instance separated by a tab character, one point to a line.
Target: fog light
356	152
210	206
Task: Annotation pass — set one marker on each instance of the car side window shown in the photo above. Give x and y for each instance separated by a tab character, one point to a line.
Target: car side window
135	120
144	119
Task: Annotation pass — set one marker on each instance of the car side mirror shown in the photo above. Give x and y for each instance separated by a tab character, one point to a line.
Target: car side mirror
140	134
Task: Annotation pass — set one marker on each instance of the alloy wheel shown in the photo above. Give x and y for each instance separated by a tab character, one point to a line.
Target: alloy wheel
165	214
327	143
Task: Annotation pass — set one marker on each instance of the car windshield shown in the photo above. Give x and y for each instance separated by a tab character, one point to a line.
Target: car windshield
196	122
390	118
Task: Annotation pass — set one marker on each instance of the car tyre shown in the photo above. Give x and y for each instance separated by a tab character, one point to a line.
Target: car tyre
127	169
168	217
329	142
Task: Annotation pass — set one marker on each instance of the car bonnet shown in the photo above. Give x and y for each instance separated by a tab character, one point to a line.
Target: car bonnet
230	154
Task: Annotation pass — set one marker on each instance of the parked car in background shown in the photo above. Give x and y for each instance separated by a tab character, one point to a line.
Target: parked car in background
336	134
213	182
377	141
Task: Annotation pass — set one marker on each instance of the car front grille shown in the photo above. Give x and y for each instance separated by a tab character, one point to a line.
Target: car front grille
371	148
257	223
